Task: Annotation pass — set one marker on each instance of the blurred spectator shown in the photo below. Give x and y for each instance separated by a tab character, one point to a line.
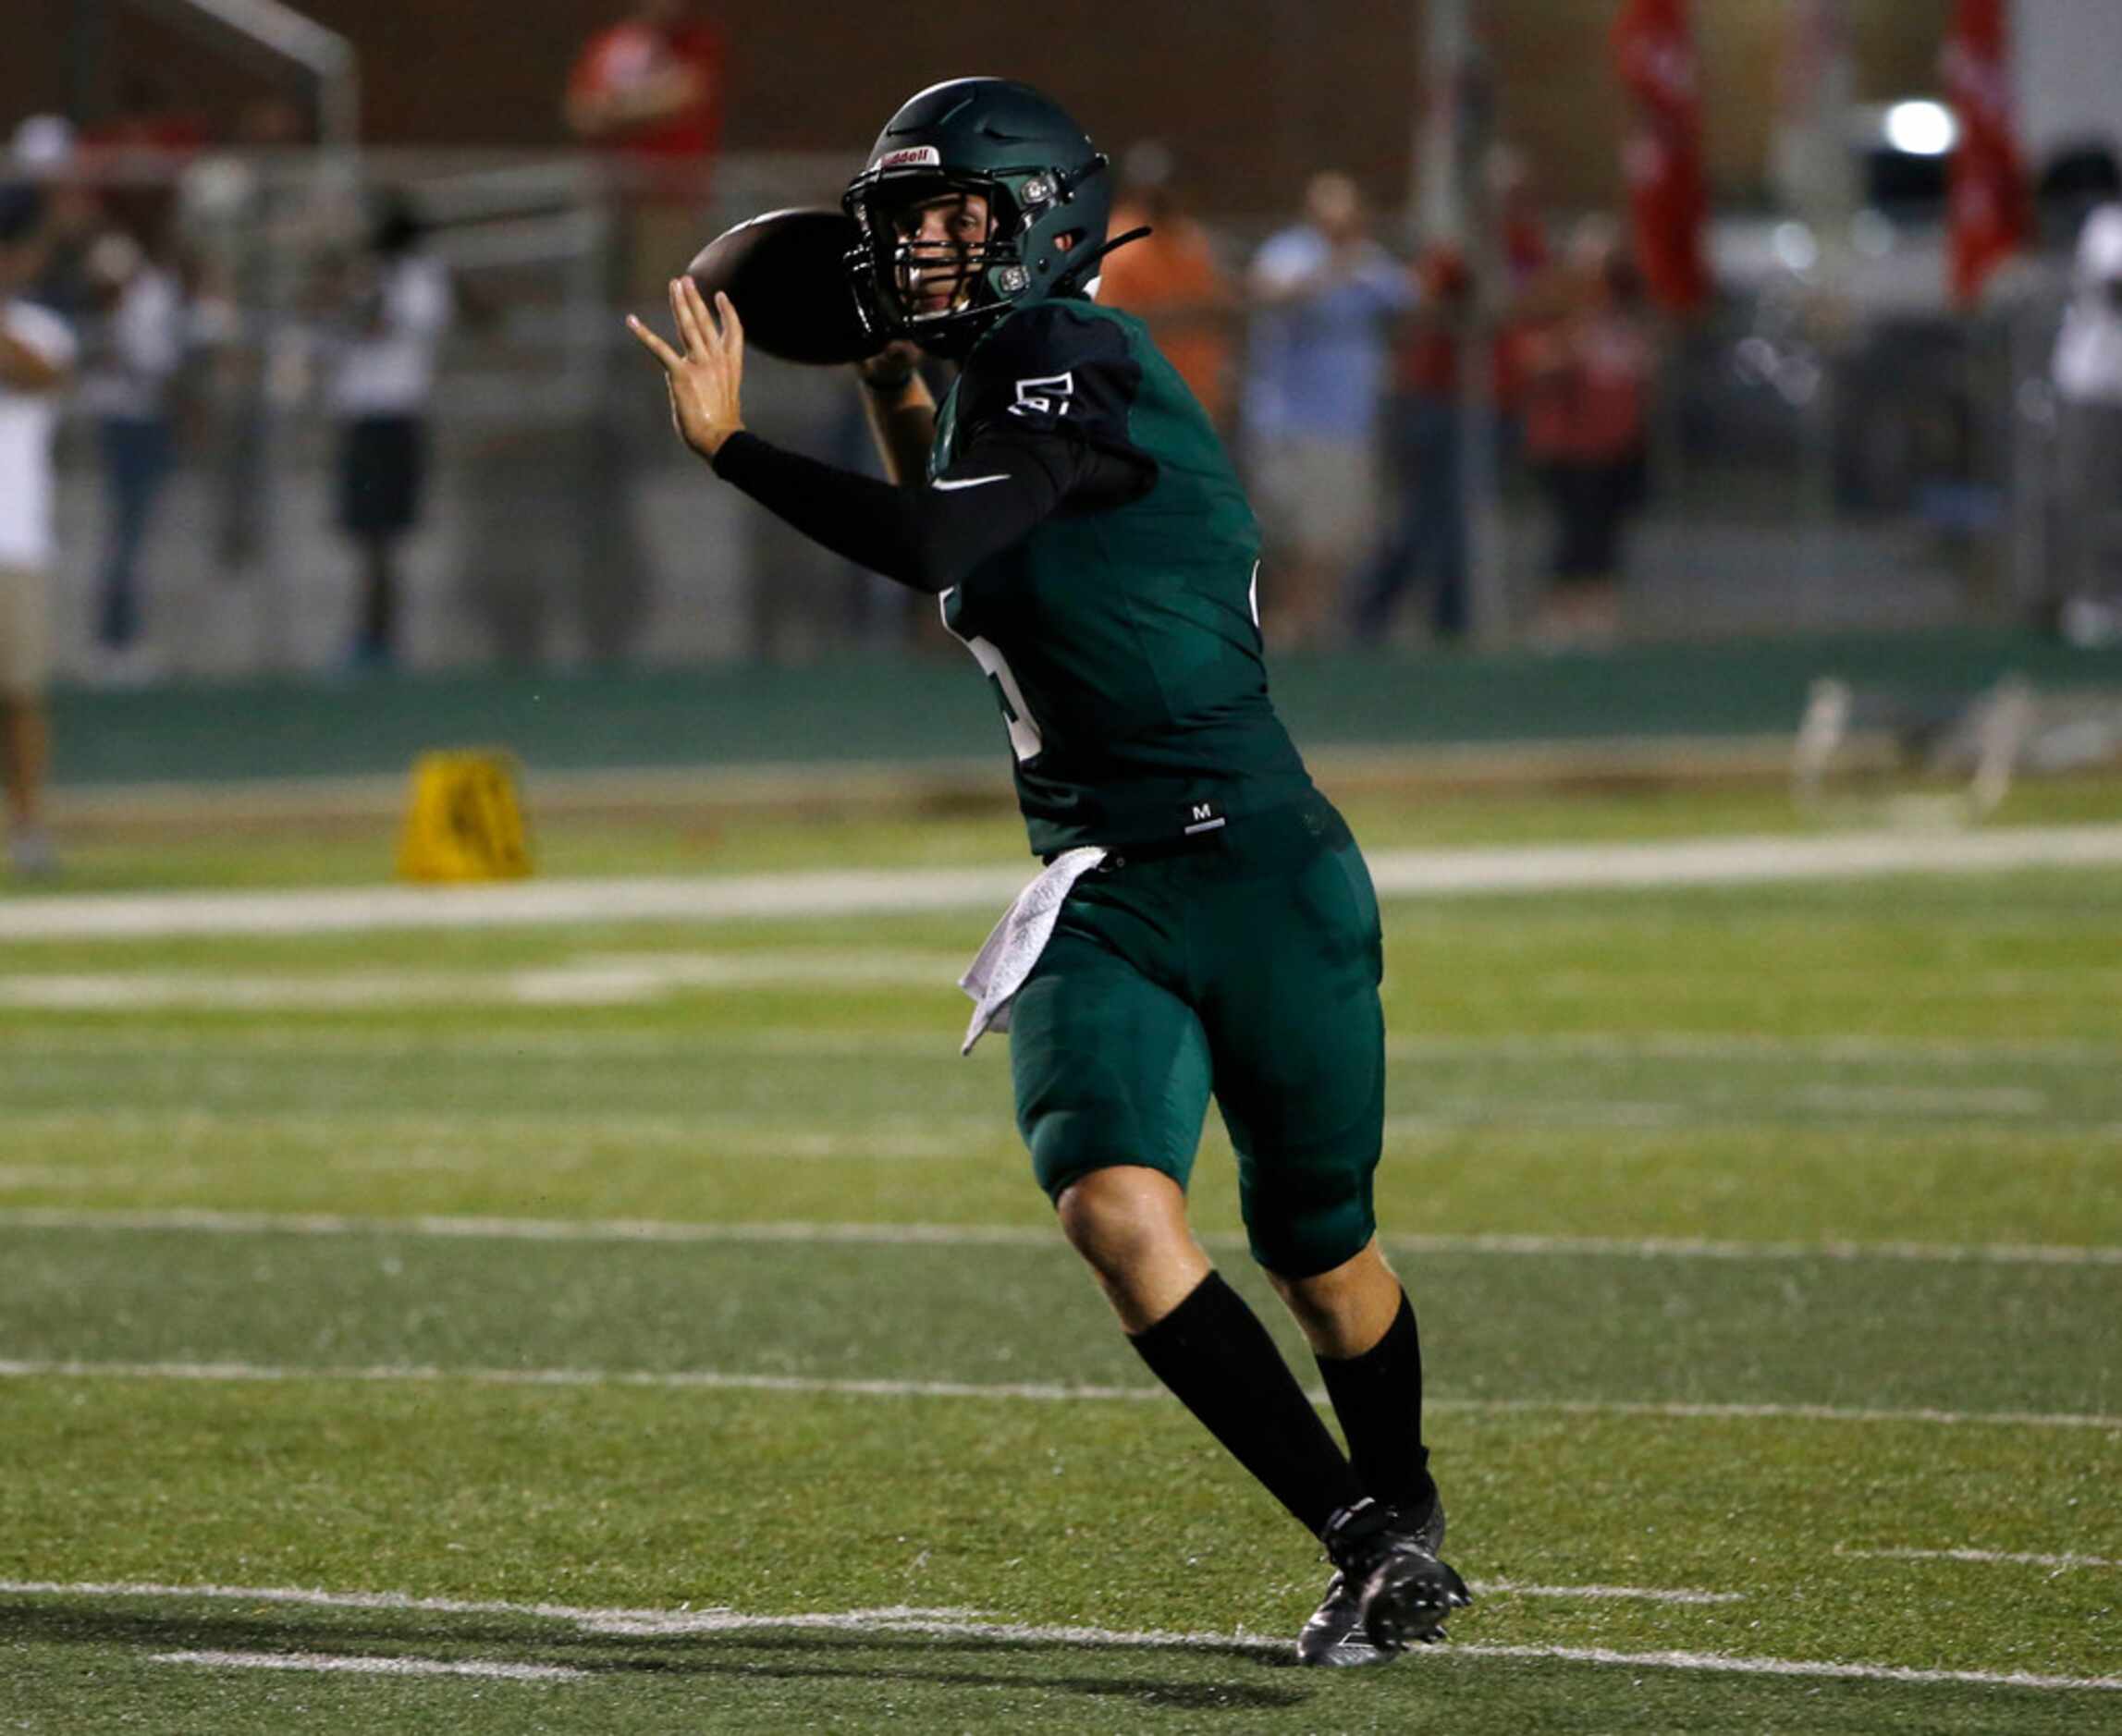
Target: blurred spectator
241	211
147	121
137	344
135	156
1170	279
383	377
1326	296
36	355
649	92
2088	375
45	154
41	143
1587	433
651	86
1424	423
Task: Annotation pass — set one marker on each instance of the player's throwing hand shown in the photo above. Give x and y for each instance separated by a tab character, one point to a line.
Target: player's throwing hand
706	374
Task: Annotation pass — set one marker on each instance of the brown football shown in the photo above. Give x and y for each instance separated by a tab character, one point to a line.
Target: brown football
787	274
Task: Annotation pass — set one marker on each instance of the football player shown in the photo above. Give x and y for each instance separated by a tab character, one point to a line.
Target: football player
1206	926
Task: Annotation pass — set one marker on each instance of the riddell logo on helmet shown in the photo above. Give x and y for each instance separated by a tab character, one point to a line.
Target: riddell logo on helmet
914	156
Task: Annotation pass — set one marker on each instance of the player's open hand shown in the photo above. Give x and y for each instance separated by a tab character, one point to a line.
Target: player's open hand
706	373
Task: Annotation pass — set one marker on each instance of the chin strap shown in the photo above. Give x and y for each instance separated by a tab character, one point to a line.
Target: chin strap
1079	269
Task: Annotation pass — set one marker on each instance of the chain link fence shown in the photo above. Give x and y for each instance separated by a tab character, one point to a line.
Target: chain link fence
1881	469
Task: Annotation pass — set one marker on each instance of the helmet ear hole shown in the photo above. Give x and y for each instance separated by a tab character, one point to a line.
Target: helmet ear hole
1068	238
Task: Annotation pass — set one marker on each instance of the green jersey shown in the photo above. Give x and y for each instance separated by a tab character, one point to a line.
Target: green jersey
1122	634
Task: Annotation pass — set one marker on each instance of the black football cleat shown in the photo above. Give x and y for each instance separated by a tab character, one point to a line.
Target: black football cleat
1389	1590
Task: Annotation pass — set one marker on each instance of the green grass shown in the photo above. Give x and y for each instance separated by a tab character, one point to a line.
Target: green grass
1782	1070
957	829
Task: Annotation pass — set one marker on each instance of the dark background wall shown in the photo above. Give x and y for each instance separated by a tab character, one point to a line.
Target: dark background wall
1253	94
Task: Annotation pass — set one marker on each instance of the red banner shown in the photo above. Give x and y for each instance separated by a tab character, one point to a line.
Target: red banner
1668	194
1990	212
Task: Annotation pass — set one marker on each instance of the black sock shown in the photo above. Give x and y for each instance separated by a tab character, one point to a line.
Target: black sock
1218	1359
1377	1396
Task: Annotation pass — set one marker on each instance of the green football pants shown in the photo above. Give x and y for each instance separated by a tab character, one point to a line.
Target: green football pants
1245	967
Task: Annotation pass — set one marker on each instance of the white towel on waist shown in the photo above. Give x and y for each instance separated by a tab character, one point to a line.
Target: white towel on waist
999	969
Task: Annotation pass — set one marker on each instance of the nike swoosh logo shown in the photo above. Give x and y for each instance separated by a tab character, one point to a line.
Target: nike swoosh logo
968	481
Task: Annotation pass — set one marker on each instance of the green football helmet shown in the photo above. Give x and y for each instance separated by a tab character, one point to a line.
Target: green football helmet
1047	195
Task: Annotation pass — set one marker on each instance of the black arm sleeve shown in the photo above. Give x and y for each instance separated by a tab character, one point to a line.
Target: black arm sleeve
930	537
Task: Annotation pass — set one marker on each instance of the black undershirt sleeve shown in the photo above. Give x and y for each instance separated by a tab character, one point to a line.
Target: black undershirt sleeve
929	537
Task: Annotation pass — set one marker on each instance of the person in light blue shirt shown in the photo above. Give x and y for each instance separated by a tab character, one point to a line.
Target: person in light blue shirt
1326	297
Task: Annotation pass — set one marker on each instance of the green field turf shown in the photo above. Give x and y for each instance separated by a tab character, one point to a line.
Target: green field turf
1766	1242
955	825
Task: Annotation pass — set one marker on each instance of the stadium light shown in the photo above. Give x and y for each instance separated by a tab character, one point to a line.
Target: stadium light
1922	130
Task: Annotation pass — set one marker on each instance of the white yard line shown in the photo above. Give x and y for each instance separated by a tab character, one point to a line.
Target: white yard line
1984	1557
236	1223
71	1176
1635	1594
1458	1114
535	1229
1925	1099
385	1141
336	1663
955	1624
712	1380
524	904
1404	873
1785	1412
590	981
1692	1248
1047	1392
1721	1663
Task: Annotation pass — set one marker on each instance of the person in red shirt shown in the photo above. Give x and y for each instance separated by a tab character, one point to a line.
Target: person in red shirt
650	86
1425	530
1587	434
648	94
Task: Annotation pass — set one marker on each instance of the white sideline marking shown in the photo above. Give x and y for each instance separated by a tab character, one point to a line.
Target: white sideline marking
1047	1392
1397	873
339	1663
962	1625
1988	1557
232	1223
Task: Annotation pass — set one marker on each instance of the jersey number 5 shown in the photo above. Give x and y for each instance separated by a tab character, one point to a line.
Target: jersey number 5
1048	396
1025	741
